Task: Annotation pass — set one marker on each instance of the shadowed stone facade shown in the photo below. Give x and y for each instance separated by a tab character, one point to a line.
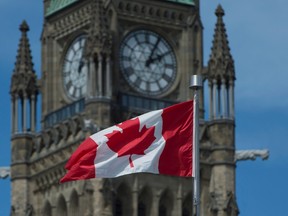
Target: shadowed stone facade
71	111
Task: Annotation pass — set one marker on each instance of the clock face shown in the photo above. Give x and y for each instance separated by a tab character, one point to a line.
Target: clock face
147	62
75	72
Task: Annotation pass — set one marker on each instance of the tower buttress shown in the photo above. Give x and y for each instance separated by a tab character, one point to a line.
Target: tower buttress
23	91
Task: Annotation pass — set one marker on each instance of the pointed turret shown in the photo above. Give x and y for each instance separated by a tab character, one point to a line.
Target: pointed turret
24	87
24	62
221	128
221	72
97	53
24	91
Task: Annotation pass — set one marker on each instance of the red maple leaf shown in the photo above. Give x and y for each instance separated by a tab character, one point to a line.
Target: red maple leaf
130	141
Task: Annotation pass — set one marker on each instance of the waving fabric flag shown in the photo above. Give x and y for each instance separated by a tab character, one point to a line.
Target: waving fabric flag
156	142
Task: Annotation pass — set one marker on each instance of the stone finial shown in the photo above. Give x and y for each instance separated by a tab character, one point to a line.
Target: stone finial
24	27
219	11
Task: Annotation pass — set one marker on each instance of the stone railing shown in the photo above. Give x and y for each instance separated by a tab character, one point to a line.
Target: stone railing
142	104
64	113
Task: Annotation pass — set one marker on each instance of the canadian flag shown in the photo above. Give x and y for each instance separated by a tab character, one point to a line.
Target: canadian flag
156	142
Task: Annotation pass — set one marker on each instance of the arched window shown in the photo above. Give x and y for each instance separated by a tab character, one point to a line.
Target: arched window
74	204
123	201
141	209
145	202
162	210
61	208
118	208
187	205
185	212
47	209
166	203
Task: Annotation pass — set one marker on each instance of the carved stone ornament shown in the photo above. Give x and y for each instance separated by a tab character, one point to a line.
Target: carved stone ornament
64	131
55	135
39	143
79	122
4	172
153	12
47	139
72	127
251	154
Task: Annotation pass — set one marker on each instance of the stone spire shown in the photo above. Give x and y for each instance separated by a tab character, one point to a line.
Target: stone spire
24	88
24	79
221	73
221	63
99	39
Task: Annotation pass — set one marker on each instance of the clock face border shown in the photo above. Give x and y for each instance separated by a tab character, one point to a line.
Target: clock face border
148	62
74	71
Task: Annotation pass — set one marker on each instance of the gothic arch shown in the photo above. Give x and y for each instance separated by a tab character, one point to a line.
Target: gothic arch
123	201
47	210
165	203
74	204
187	205
61	207
145	201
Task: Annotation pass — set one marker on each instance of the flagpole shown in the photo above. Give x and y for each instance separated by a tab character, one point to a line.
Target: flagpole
196	84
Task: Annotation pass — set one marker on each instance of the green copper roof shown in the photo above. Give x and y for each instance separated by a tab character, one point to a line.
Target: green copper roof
188	2
56	5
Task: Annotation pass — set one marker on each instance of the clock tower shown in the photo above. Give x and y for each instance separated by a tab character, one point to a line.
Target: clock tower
104	61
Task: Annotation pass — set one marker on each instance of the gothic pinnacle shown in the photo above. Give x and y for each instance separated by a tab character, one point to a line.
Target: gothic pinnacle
24	77
221	61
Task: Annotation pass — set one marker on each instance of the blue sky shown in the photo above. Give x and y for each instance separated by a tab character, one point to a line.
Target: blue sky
258	33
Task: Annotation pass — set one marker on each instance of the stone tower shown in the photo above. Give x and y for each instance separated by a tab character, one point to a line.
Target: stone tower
103	62
221	126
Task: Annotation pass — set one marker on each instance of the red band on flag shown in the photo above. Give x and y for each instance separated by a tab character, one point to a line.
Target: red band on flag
176	158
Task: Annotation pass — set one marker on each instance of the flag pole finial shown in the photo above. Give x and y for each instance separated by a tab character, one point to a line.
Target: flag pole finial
196	84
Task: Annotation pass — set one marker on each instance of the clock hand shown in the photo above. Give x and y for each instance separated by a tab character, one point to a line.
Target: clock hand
81	64
158	58
149	61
